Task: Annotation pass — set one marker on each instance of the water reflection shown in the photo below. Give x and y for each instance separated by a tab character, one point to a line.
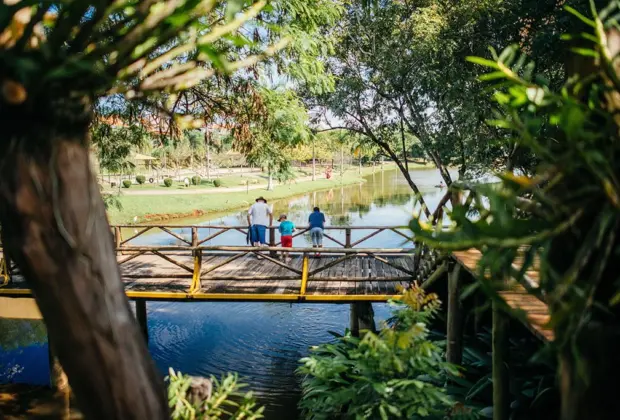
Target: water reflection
261	341
23	343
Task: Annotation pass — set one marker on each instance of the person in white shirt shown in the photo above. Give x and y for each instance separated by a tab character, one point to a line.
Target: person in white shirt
259	217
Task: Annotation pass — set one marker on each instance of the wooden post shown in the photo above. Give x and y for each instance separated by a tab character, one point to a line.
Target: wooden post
272	241
118	237
304	275
362	318
142	318
454	348
6	268
501	384
194	236
478	302
347	242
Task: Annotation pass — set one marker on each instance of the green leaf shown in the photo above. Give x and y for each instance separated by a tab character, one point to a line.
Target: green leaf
483	62
492	76
581	17
586	52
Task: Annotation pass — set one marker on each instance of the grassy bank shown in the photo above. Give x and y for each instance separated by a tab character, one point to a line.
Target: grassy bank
145	208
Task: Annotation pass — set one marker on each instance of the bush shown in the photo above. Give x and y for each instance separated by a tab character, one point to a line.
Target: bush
202	398
217	183
126	183
168	182
196	180
398	372
140	179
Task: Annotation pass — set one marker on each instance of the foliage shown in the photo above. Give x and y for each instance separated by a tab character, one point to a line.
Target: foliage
217	183
533	388
224	399
282	127
115	144
425	103
20	333
140	179
168	182
196	180
574	135
566	214
126	183
394	374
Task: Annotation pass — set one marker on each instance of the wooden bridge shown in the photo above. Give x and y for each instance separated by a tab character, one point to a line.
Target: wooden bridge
187	267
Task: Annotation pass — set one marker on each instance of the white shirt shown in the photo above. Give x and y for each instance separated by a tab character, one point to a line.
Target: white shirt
259	213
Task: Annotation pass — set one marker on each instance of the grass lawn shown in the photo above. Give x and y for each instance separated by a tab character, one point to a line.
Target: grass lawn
159	207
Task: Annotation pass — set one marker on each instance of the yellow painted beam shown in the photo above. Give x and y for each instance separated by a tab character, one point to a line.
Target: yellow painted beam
4	272
196	283
350	298
304	275
15	292
135	294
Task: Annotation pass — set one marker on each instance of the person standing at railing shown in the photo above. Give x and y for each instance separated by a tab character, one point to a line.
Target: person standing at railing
286	229
317	224
259	217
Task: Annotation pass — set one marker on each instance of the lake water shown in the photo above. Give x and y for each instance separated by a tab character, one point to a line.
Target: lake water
261	341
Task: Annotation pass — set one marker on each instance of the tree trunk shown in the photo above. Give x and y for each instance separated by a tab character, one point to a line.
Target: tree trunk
270	181
313	162
54	227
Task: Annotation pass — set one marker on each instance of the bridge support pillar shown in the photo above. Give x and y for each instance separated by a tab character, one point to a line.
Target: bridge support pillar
362	318
142	319
454	348
501	378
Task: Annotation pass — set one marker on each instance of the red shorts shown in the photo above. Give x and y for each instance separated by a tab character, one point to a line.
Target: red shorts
287	241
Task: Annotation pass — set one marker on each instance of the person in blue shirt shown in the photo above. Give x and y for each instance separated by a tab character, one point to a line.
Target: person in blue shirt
317	224
286	229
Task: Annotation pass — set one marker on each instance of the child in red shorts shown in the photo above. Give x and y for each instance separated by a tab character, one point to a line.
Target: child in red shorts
286	229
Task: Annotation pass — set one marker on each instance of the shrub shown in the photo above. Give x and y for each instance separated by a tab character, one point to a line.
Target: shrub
217	183
201	398
397	373
168	182
140	179
126	183
196	180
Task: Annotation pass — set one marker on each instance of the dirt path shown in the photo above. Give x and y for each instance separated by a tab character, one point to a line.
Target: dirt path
188	191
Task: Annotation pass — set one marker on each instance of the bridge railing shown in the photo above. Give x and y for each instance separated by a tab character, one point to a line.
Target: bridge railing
196	239
191	250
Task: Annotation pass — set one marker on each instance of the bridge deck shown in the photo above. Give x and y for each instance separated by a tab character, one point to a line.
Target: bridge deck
243	276
516	297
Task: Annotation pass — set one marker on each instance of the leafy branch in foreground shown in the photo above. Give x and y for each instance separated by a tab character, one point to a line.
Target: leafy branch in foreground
200	398
571	220
398	373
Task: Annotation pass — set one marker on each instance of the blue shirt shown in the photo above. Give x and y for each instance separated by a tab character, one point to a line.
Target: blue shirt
317	219
286	228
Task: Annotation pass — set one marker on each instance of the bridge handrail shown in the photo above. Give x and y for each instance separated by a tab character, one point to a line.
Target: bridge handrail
137	248
138	226
196	240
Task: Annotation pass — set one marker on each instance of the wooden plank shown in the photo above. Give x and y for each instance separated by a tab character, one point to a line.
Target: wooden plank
517	298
